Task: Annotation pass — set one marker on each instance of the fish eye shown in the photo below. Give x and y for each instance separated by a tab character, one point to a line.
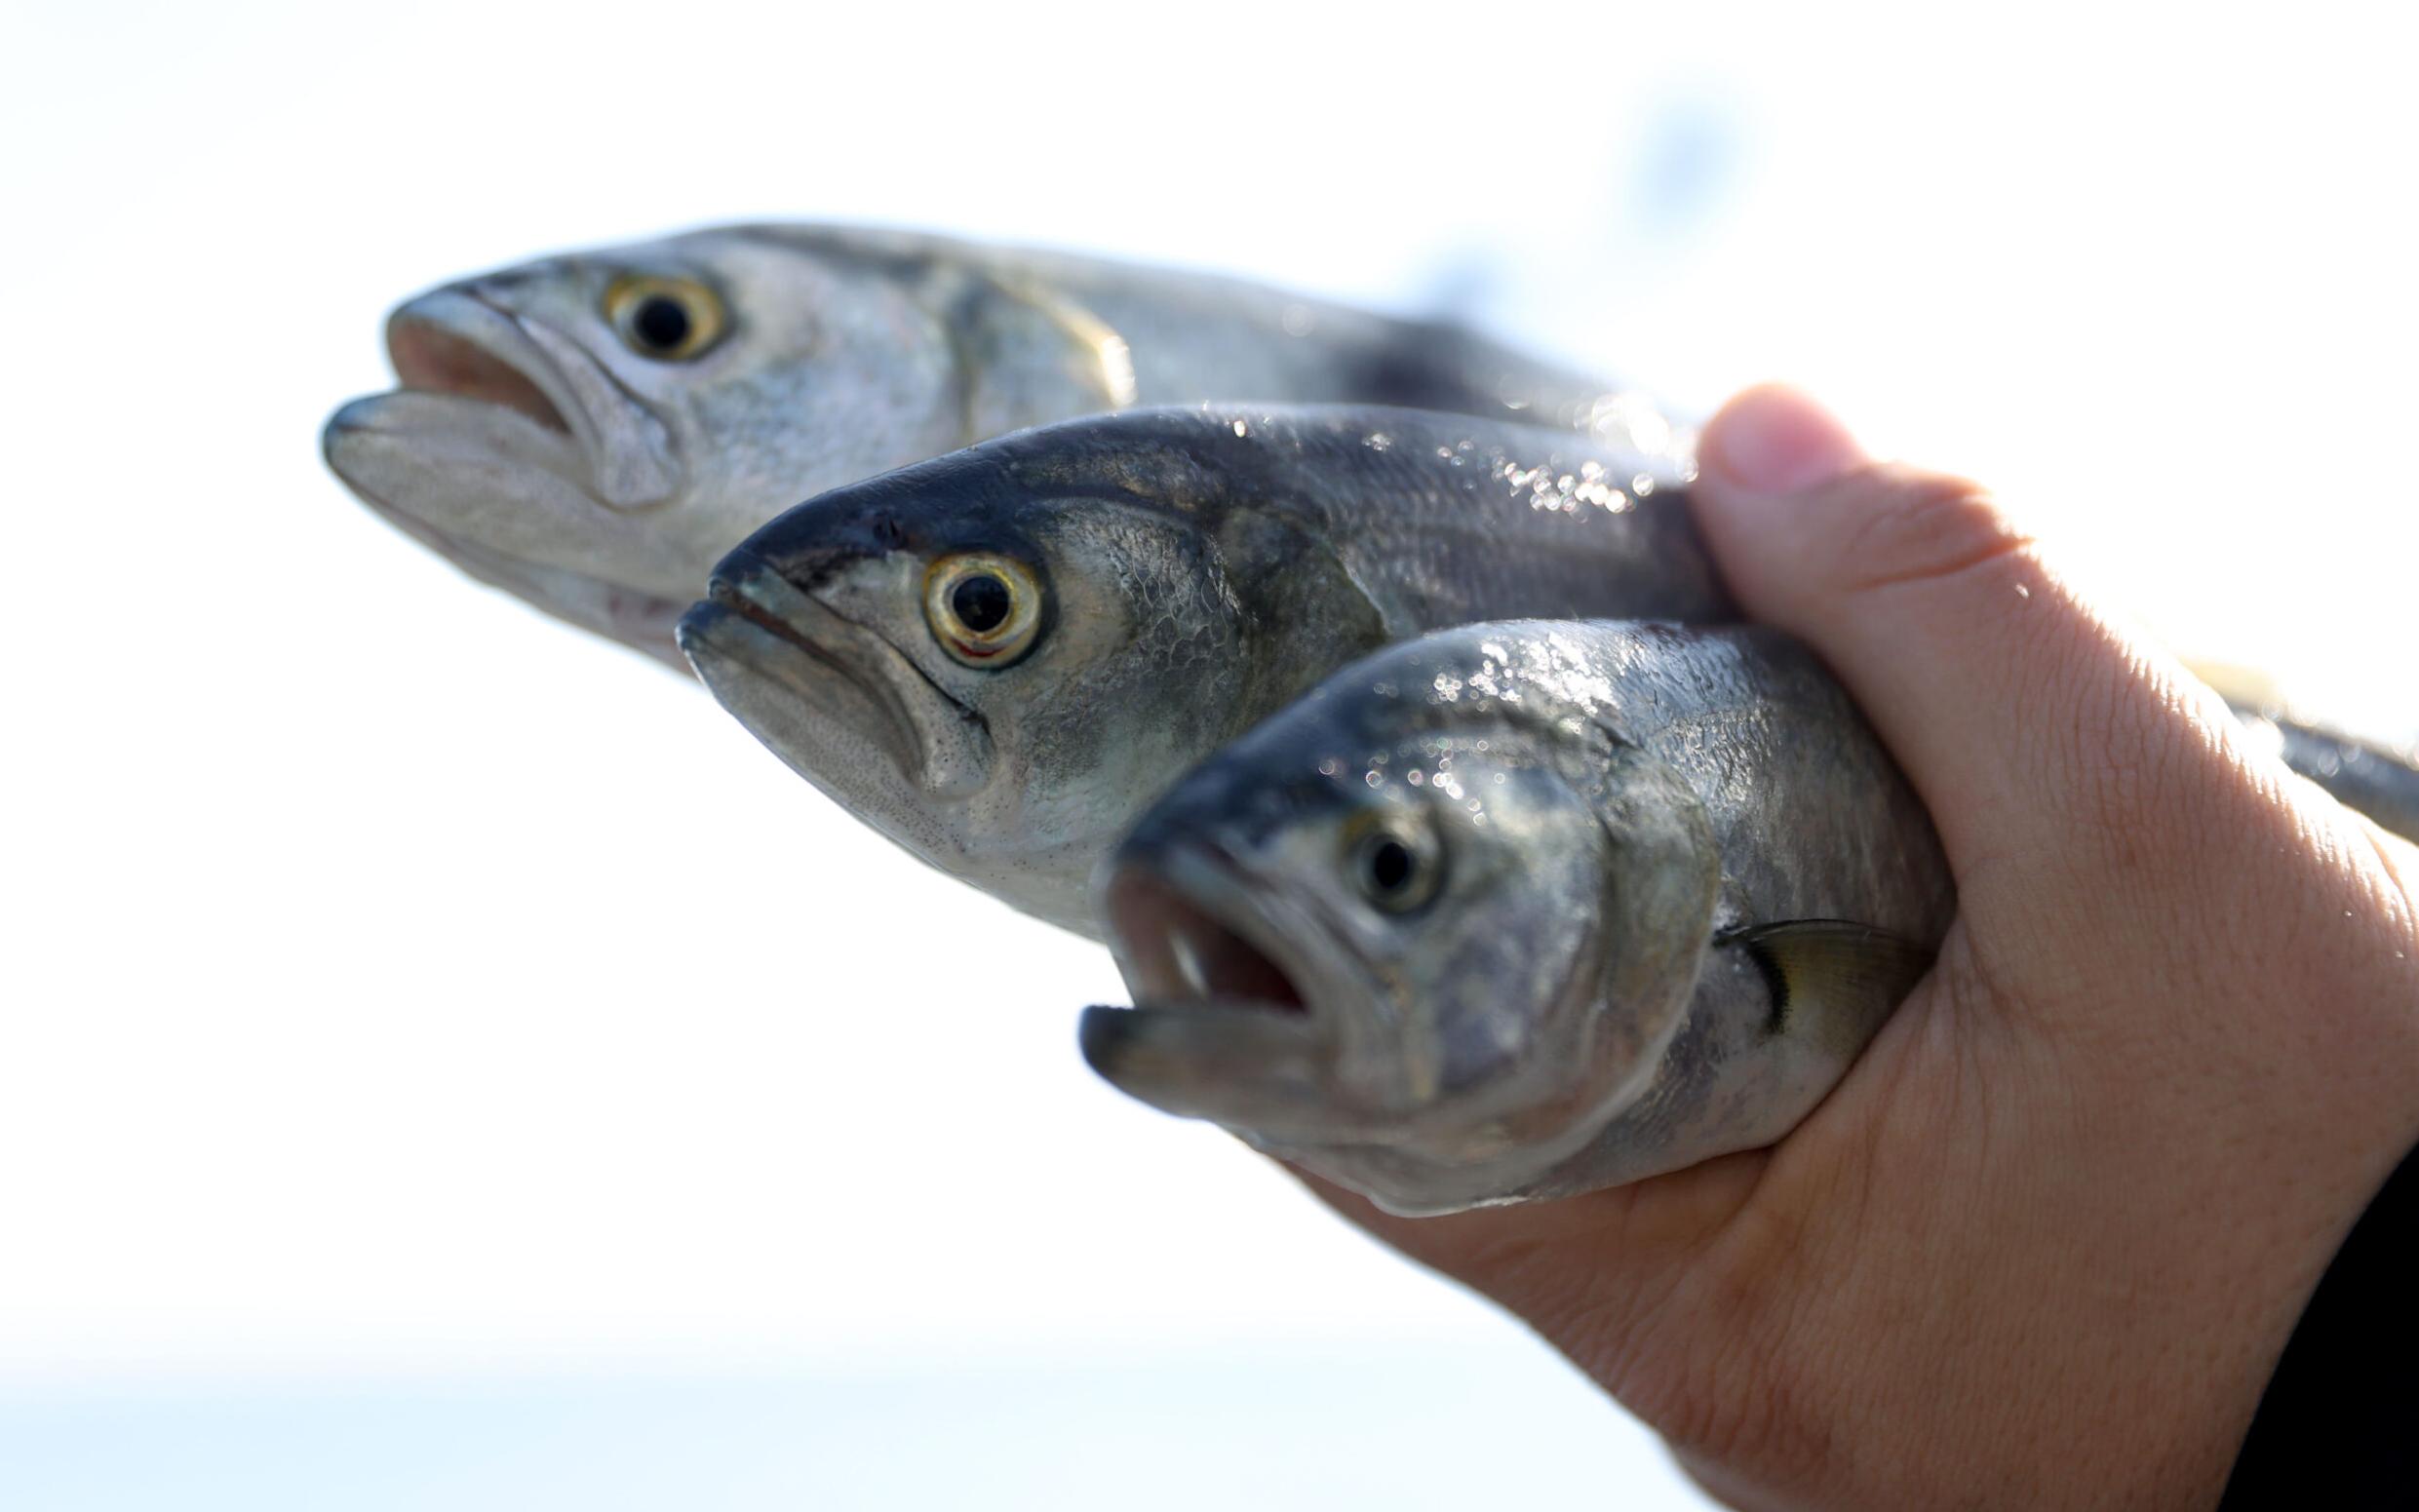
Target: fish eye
984	609
667	319
1396	867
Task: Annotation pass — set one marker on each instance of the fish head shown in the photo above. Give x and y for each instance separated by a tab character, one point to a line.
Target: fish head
592	431
997	668
1421	948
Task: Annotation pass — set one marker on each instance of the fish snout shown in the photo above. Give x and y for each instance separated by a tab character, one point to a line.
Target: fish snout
354	417
466	344
451	341
738	566
814	544
758	626
1240	1015
693	633
1172	947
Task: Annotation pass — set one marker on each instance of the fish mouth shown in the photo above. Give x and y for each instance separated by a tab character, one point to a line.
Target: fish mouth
637	619
1249	1017
471	350
511	453
1235	1020
821	689
458	344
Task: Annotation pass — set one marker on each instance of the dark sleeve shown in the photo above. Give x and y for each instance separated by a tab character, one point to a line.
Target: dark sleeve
2338	1426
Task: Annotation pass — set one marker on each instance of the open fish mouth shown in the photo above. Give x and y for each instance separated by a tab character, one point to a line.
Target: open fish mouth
1173	951
1250	1014
837	687
509	449
480	354
1232	1019
455	347
457	344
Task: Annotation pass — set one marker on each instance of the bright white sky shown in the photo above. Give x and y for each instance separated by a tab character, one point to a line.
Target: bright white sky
396	981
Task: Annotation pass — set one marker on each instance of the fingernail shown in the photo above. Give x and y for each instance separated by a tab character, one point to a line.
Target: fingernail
1774	440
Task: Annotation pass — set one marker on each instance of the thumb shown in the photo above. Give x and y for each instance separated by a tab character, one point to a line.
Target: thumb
2025	717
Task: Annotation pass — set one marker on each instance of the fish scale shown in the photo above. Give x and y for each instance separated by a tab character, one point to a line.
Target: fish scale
836	353
1194	570
1674	886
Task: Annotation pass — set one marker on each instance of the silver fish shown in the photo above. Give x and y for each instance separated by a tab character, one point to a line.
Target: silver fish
1518	911
592	431
998	657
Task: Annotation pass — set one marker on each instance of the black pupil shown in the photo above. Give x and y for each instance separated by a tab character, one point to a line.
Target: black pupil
1391	864
660	321
980	602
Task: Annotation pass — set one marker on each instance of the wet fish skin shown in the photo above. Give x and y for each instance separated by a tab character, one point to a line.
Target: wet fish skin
1667	884
1194	570
541	449
2367	778
2377	781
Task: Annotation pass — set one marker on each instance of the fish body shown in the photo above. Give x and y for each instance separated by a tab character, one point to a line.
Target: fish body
1518	911
592	431
2369	779
998	657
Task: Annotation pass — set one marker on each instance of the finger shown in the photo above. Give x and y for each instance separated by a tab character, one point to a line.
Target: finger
2024	717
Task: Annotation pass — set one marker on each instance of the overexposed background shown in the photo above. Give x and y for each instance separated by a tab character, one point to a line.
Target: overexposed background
444	1061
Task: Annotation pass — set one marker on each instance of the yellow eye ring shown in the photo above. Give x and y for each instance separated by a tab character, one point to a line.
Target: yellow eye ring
984	609
670	320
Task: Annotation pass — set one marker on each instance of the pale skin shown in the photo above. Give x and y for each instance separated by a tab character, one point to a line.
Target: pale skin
2044	1245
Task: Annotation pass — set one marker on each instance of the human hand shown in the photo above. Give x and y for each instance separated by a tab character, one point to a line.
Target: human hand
2045	1244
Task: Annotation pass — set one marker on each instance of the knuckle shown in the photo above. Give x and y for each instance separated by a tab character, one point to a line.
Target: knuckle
1911	527
1730	1363
1734	1383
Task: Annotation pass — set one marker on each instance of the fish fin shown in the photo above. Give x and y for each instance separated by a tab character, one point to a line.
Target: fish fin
1830	977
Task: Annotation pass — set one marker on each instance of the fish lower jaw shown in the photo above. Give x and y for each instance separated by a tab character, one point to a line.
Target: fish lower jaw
1242	1065
849	676
1222	1025
639	619
1405	1178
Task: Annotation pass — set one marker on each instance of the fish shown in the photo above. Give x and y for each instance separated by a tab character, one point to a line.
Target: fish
2373	777
592	431
998	657
1513	911
2380	782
